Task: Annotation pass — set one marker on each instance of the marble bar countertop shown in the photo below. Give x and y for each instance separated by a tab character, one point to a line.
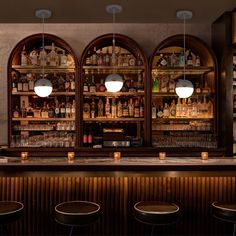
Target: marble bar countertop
124	164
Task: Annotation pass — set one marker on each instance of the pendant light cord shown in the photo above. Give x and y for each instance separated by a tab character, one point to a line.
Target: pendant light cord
43	45
113	23
184	46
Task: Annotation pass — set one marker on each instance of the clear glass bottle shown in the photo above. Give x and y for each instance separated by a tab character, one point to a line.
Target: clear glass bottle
113	108
131	108
166	111
24	57
100	108
119	109
108	108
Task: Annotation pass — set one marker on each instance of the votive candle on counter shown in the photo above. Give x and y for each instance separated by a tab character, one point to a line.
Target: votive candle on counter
162	155
117	156
70	156
24	156
204	155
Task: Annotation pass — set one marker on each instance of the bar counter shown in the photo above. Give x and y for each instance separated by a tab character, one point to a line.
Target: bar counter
124	164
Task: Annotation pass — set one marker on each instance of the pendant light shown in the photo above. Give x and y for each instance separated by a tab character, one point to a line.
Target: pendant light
184	88
43	86
114	81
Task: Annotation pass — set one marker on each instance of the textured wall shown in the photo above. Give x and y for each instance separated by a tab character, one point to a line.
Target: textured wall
148	36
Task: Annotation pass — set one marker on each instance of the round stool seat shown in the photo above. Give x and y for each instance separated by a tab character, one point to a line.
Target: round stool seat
10	211
224	211
152	212
75	213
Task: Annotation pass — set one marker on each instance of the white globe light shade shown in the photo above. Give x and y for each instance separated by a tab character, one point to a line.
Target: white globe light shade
113	83
184	88
43	87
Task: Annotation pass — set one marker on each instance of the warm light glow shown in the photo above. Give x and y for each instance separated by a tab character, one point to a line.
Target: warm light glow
114	83
43	87
184	88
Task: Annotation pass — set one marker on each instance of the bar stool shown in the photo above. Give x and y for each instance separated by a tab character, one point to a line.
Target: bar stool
76	213
225	212
9	212
156	213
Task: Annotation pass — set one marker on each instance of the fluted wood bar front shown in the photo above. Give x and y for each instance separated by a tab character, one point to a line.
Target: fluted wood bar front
116	190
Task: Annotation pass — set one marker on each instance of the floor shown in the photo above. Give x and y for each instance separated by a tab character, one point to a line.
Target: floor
41	222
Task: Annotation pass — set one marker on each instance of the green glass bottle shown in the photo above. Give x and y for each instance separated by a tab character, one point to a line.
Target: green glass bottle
155	86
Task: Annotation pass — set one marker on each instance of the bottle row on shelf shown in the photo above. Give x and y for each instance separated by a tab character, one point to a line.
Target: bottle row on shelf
112	56
114	108
49	110
185	108
48	55
130	84
64	82
176	59
165	84
48	139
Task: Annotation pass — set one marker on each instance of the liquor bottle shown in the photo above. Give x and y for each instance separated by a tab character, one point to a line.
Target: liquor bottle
141	108
52	56
63	59
42	57
108	108
173	60
204	108
136	108
33	57
85	139
100	108
14	83
100	58
88	59
199	108
171	85
51	110
92	86
194	109
189	58
197	88
119	109
190	107
86	111
139	61
93	109
178	108
107	58
44	111
113	108
155	85
125	60
173	109
67	83
197	61
162	61
160	112
166	111
131	60
102	87
72	83
125	111
210	109
63	110
131	87
25	85
16	112
68	108
140	86
184	111
90	138
20	84
24	57
131	108
119	58
114	57
154	111
57	109
181	59
206	88
94	57
85	84
31	82
73	109
234	66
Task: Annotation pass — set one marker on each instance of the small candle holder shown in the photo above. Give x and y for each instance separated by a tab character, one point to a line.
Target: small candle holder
162	155
117	156
204	155
70	156
24	156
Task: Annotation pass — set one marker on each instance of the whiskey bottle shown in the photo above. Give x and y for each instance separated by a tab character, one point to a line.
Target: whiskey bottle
107	58
72	83
108	108
93	109
100	108
20	84
119	58
166	111
114	57
102	87
33	57
86	111
125	111
100	58
190	107
85	84
52	56
173	60
25	84
119	109
92	86
173	109
113	108
140	86
16	112
57	109
31	82
42	57
162	61
68	108
73	109
154	111
197	61
88	60
178	108
184	112
131	108
136	108
63	59
24	57
67	83
63	110
194	109
141	108
94	57
14	83
189	58
160	112
51	110
44	111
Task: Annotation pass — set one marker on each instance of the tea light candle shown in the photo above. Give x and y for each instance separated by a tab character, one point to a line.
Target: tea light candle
117	156
204	155
70	156
24	156
162	155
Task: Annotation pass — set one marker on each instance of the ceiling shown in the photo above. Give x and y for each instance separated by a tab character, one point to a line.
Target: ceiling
93	11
